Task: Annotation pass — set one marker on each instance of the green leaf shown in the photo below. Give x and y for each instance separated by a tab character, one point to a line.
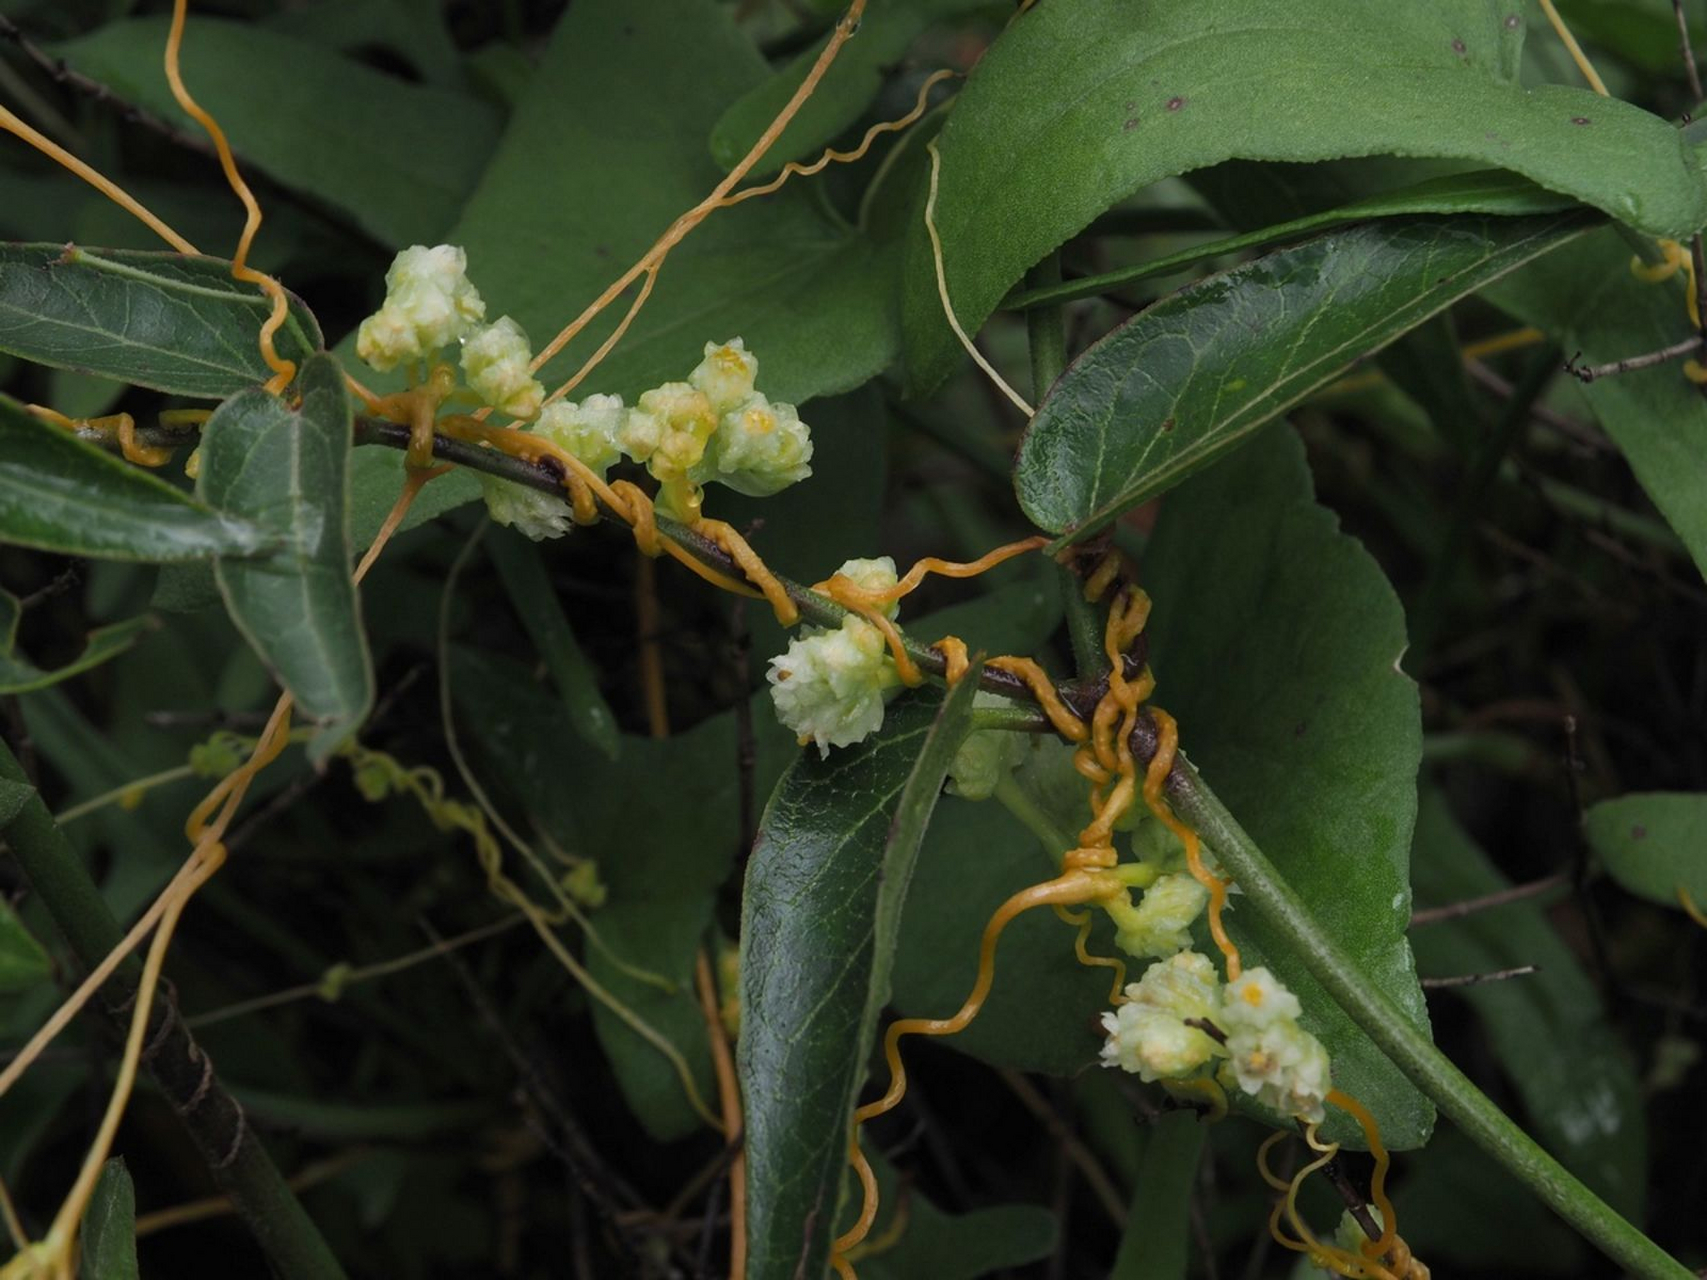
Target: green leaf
1172	88
19	675
1154	1245
109	1228
1548	1028
1186	380
886	30
535	602
1489	191
399	158
823	898
297	607
934	1245
1275	641
59	494
23	963
1590	303
1653	844
159	320
570	201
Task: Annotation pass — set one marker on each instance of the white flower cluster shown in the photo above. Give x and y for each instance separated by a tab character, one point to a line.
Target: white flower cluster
718	426
1266	1054
1160	924
829	686
430	303
589	431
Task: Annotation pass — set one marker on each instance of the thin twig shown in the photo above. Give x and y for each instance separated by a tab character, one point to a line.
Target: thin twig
1688	55
1101	1185
1629	364
1573	429
1516	893
1473	979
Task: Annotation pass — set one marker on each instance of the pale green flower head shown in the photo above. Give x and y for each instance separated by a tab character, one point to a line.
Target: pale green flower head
429	304
528	511
727	374
987	756
590	430
760	448
1160	924
668	430
1147	1035
828	687
875	574
495	360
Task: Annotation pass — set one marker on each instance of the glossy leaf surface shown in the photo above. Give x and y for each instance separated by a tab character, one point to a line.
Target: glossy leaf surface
1275	640
1171	88
596	163
1188	379
285	468
824	890
1653	844
59	494
397	157
157	320
109	1228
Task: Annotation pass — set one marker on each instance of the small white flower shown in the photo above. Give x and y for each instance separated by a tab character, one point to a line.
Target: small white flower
828	687
589	430
1148	1035
496	361
1160	925
533	513
726	375
429	304
1256	1000
1270	1056
760	448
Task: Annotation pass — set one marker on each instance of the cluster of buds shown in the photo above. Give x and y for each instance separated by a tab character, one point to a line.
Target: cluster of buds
829	687
1178	1018
716	426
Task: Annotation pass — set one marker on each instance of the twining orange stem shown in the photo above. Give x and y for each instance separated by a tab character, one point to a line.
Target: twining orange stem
1167	744
729	1101
283	370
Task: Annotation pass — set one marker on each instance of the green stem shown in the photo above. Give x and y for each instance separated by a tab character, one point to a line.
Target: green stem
1409	1047
238	1163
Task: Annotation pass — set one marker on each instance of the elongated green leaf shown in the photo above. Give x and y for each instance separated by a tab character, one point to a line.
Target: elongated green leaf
1154	1245
1275	641
397	157
1489	191
60	494
158	320
286	468
19	675
1653	844
109	1228
1548	1028
23	961
1590	303
1186	380
886	30
1166	89
569	201
824	891
531	594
